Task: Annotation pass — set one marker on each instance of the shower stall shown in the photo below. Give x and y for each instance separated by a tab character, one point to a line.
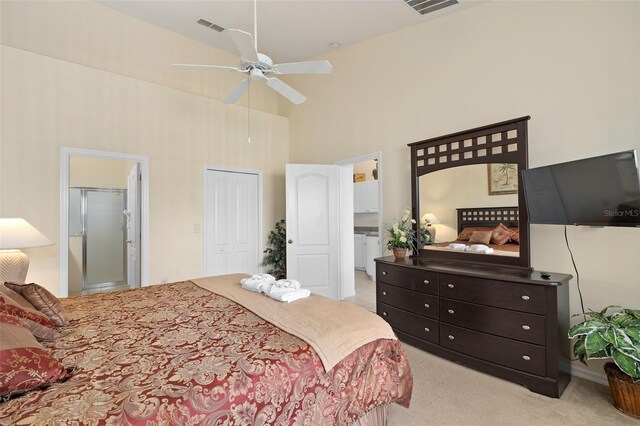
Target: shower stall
97	239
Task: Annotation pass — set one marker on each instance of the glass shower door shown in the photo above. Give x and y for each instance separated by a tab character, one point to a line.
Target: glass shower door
104	238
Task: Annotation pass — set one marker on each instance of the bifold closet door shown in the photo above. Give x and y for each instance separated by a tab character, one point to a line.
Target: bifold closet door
231	223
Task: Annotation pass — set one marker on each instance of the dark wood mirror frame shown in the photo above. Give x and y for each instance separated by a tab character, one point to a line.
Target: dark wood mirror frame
504	142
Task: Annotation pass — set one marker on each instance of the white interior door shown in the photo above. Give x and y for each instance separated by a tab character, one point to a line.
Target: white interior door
319	236
231	214
133	216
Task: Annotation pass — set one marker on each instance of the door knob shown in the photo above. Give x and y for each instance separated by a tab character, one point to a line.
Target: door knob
290	241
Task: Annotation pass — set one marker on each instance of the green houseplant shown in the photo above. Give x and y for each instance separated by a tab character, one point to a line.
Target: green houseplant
400	235
276	255
615	336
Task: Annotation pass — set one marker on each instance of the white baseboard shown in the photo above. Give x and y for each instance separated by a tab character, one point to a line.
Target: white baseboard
585	373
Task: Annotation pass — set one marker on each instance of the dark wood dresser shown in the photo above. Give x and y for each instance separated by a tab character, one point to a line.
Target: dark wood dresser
507	322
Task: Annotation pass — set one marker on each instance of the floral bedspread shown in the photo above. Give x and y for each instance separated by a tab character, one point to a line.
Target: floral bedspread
176	354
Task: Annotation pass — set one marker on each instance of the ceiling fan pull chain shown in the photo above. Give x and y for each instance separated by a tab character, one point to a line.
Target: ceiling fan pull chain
249	112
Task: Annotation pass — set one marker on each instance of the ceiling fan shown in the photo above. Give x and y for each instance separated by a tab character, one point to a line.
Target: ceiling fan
258	66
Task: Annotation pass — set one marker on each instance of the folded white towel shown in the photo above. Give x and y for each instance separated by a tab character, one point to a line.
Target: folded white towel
480	248
287	284
255	282
290	296
457	246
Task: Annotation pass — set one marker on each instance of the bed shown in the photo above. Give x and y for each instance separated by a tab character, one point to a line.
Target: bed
486	218
182	354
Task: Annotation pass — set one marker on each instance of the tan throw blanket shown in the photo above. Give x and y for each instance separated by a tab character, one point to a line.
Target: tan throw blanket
333	329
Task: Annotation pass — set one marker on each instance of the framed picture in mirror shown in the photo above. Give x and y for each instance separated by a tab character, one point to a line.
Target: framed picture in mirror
502	178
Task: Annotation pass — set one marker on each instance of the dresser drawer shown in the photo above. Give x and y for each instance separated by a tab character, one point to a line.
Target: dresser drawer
502	294
416	325
502	322
413	301
409	278
510	353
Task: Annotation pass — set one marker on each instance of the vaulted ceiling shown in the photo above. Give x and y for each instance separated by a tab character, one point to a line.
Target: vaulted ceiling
288	30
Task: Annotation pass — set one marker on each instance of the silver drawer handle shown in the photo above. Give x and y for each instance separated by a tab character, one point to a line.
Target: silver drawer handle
384	293
426	281
526	327
451	337
426	305
385	314
526	357
450	285
451	311
384	272
427	329
525	297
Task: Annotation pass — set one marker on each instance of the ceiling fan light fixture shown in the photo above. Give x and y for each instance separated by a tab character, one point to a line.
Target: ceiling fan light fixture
257	66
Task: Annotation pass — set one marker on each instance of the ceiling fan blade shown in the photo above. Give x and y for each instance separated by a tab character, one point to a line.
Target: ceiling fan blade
206	67
237	92
311	67
285	90
244	43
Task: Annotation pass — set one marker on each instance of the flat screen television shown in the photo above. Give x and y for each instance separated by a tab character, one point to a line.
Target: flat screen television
598	191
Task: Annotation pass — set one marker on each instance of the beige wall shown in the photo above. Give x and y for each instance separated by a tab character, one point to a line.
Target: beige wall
93	172
96	79
573	66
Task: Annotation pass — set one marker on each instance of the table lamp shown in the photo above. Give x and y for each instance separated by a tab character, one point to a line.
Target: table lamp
431	220
16	234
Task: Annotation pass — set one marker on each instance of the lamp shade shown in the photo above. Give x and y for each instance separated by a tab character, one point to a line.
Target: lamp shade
17	233
431	218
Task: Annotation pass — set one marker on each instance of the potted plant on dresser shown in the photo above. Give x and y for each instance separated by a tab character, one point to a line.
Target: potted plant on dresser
615	336
400	235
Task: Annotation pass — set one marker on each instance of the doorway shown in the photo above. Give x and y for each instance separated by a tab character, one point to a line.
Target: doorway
232	221
97	240
368	226
103	221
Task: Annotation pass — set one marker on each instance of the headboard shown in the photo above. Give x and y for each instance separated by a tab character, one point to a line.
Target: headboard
487	216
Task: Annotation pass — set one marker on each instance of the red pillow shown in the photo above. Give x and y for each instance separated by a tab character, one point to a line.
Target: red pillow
515	235
501	234
24	364
38	323
480	237
42	300
466	233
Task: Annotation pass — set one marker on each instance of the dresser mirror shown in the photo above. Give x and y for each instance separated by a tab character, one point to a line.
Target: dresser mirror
467	185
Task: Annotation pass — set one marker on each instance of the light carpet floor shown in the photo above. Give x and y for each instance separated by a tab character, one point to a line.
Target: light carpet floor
445	393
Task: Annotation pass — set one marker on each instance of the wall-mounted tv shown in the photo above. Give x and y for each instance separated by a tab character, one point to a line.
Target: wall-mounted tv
598	191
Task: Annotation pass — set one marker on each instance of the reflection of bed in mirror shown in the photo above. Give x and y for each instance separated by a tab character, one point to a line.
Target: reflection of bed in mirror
484	219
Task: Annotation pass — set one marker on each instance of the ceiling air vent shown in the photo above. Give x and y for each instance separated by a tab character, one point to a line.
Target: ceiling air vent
208	24
426	6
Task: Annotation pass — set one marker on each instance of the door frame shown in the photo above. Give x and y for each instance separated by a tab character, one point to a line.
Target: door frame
65	159
205	207
376	155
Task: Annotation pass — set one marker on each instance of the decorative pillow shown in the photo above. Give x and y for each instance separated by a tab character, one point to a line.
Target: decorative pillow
515	235
467	232
42	300
24	364
501	234
24	303
38	323
480	237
